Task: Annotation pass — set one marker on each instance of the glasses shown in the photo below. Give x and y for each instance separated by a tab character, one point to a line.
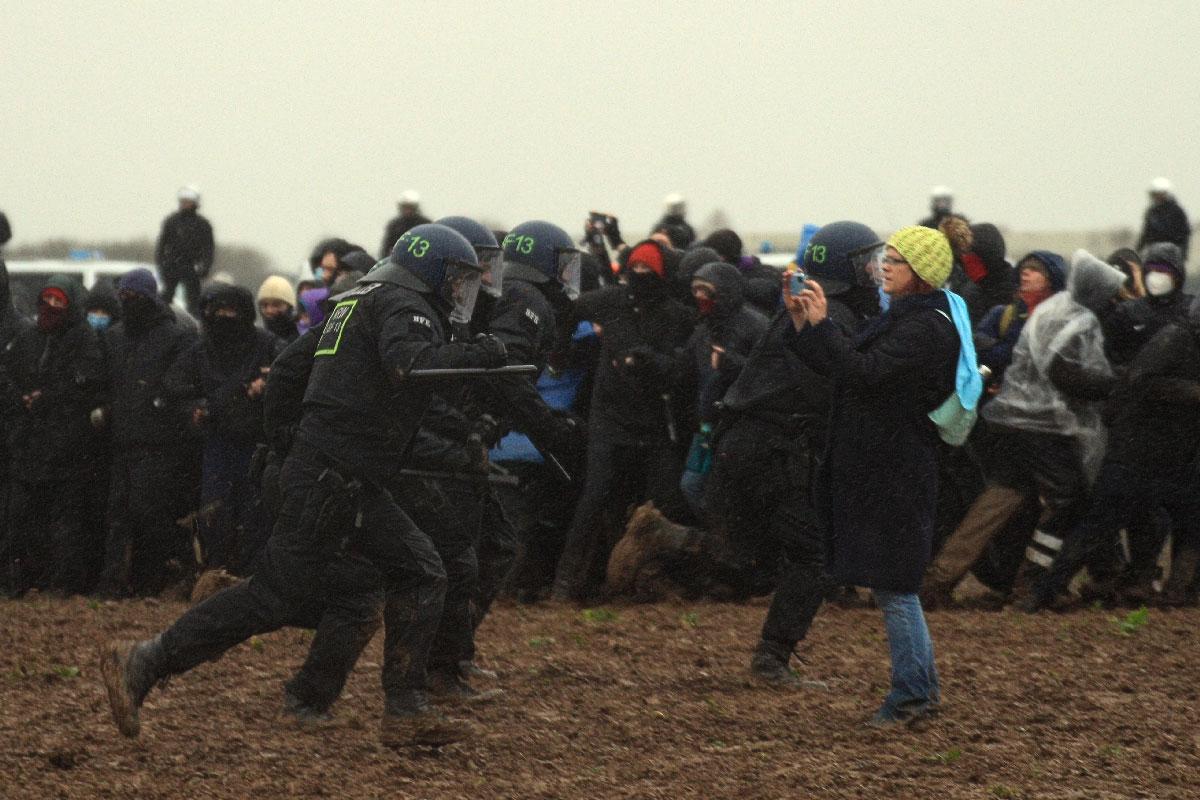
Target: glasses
893	262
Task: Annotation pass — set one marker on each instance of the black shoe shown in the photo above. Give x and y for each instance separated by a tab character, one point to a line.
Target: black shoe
303	712
446	688
469	670
129	671
769	665
913	715
409	725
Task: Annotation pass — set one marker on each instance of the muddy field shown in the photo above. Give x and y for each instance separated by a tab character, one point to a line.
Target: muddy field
628	702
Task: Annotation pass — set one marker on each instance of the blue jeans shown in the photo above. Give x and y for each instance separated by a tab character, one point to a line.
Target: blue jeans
692	486
914	676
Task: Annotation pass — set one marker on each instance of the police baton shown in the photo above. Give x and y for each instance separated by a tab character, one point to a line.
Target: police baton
455	372
465	477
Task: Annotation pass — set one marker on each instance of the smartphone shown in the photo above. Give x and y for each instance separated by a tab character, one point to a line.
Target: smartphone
798	281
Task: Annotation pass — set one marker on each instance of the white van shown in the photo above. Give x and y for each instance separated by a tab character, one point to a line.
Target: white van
27	278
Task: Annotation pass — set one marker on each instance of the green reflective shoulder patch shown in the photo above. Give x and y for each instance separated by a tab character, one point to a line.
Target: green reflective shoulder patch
335	326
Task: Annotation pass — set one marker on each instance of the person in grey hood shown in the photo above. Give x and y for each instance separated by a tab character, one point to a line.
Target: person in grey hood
1135	322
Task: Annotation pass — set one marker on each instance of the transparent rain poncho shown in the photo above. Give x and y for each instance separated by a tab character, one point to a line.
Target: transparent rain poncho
1063	326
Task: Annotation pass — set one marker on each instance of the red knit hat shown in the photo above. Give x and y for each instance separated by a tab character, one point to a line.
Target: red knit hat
648	254
55	292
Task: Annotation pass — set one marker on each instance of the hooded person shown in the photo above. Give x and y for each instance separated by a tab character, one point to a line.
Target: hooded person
54	376
312	308
714	356
632	422
1129	262
102	307
154	463
986	266
222	377
1148	469
325	256
1136	321
1042	273
277	305
1048	435
762	282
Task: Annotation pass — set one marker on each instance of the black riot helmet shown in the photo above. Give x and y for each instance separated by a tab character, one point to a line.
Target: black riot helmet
435	260
843	255
539	252
487	248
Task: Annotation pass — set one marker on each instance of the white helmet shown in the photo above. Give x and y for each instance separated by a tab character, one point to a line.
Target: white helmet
189	192
939	192
674	203
1160	186
410	198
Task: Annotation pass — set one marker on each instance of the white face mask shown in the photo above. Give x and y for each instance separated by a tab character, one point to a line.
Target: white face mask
1159	283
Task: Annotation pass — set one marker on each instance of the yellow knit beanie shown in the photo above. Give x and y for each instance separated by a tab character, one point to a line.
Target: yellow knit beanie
927	251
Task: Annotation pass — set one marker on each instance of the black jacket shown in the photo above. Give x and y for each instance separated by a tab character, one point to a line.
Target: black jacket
1154	418
877	487
185	245
1131	324
361	407
1166	222
217	372
397	227
640	344
50	441
142	411
732	326
283	399
5	229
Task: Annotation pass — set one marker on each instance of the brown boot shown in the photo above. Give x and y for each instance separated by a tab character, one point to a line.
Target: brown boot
210	582
648	535
129	670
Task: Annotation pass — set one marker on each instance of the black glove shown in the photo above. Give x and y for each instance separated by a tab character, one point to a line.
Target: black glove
491	350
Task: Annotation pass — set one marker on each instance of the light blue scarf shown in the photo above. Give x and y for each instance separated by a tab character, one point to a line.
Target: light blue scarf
956	416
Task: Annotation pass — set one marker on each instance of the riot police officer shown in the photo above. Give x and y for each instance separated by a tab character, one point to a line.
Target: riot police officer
363	404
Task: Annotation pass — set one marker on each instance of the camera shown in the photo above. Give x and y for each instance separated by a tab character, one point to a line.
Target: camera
798	281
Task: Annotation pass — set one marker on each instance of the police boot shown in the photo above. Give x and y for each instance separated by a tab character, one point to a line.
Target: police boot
1028	594
769	664
648	535
129	671
446	688
411	722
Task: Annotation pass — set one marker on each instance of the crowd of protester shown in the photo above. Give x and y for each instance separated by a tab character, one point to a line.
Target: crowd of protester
892	413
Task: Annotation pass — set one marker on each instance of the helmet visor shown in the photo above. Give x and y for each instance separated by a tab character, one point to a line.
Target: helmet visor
569	271
492	264
865	262
460	288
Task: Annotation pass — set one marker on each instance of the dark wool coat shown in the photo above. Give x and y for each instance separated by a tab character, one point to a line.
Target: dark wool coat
877	488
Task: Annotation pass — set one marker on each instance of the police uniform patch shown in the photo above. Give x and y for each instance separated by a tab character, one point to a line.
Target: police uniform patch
418	319
335	326
532	316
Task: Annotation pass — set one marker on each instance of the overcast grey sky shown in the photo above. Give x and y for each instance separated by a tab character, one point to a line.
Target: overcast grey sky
299	119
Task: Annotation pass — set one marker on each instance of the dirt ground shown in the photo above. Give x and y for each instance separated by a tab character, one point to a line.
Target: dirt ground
648	701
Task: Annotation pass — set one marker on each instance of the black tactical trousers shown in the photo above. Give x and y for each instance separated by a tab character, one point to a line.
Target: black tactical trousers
149	490
48	545
450	511
346	568
620	474
759	497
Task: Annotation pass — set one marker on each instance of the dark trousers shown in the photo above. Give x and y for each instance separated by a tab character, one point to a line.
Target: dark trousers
348	568
1121	497
620	474
149	491
450	511
230	516
497	552
191	288
48	545
759	498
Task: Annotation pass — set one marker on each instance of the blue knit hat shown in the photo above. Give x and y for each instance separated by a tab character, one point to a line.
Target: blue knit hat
139	281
